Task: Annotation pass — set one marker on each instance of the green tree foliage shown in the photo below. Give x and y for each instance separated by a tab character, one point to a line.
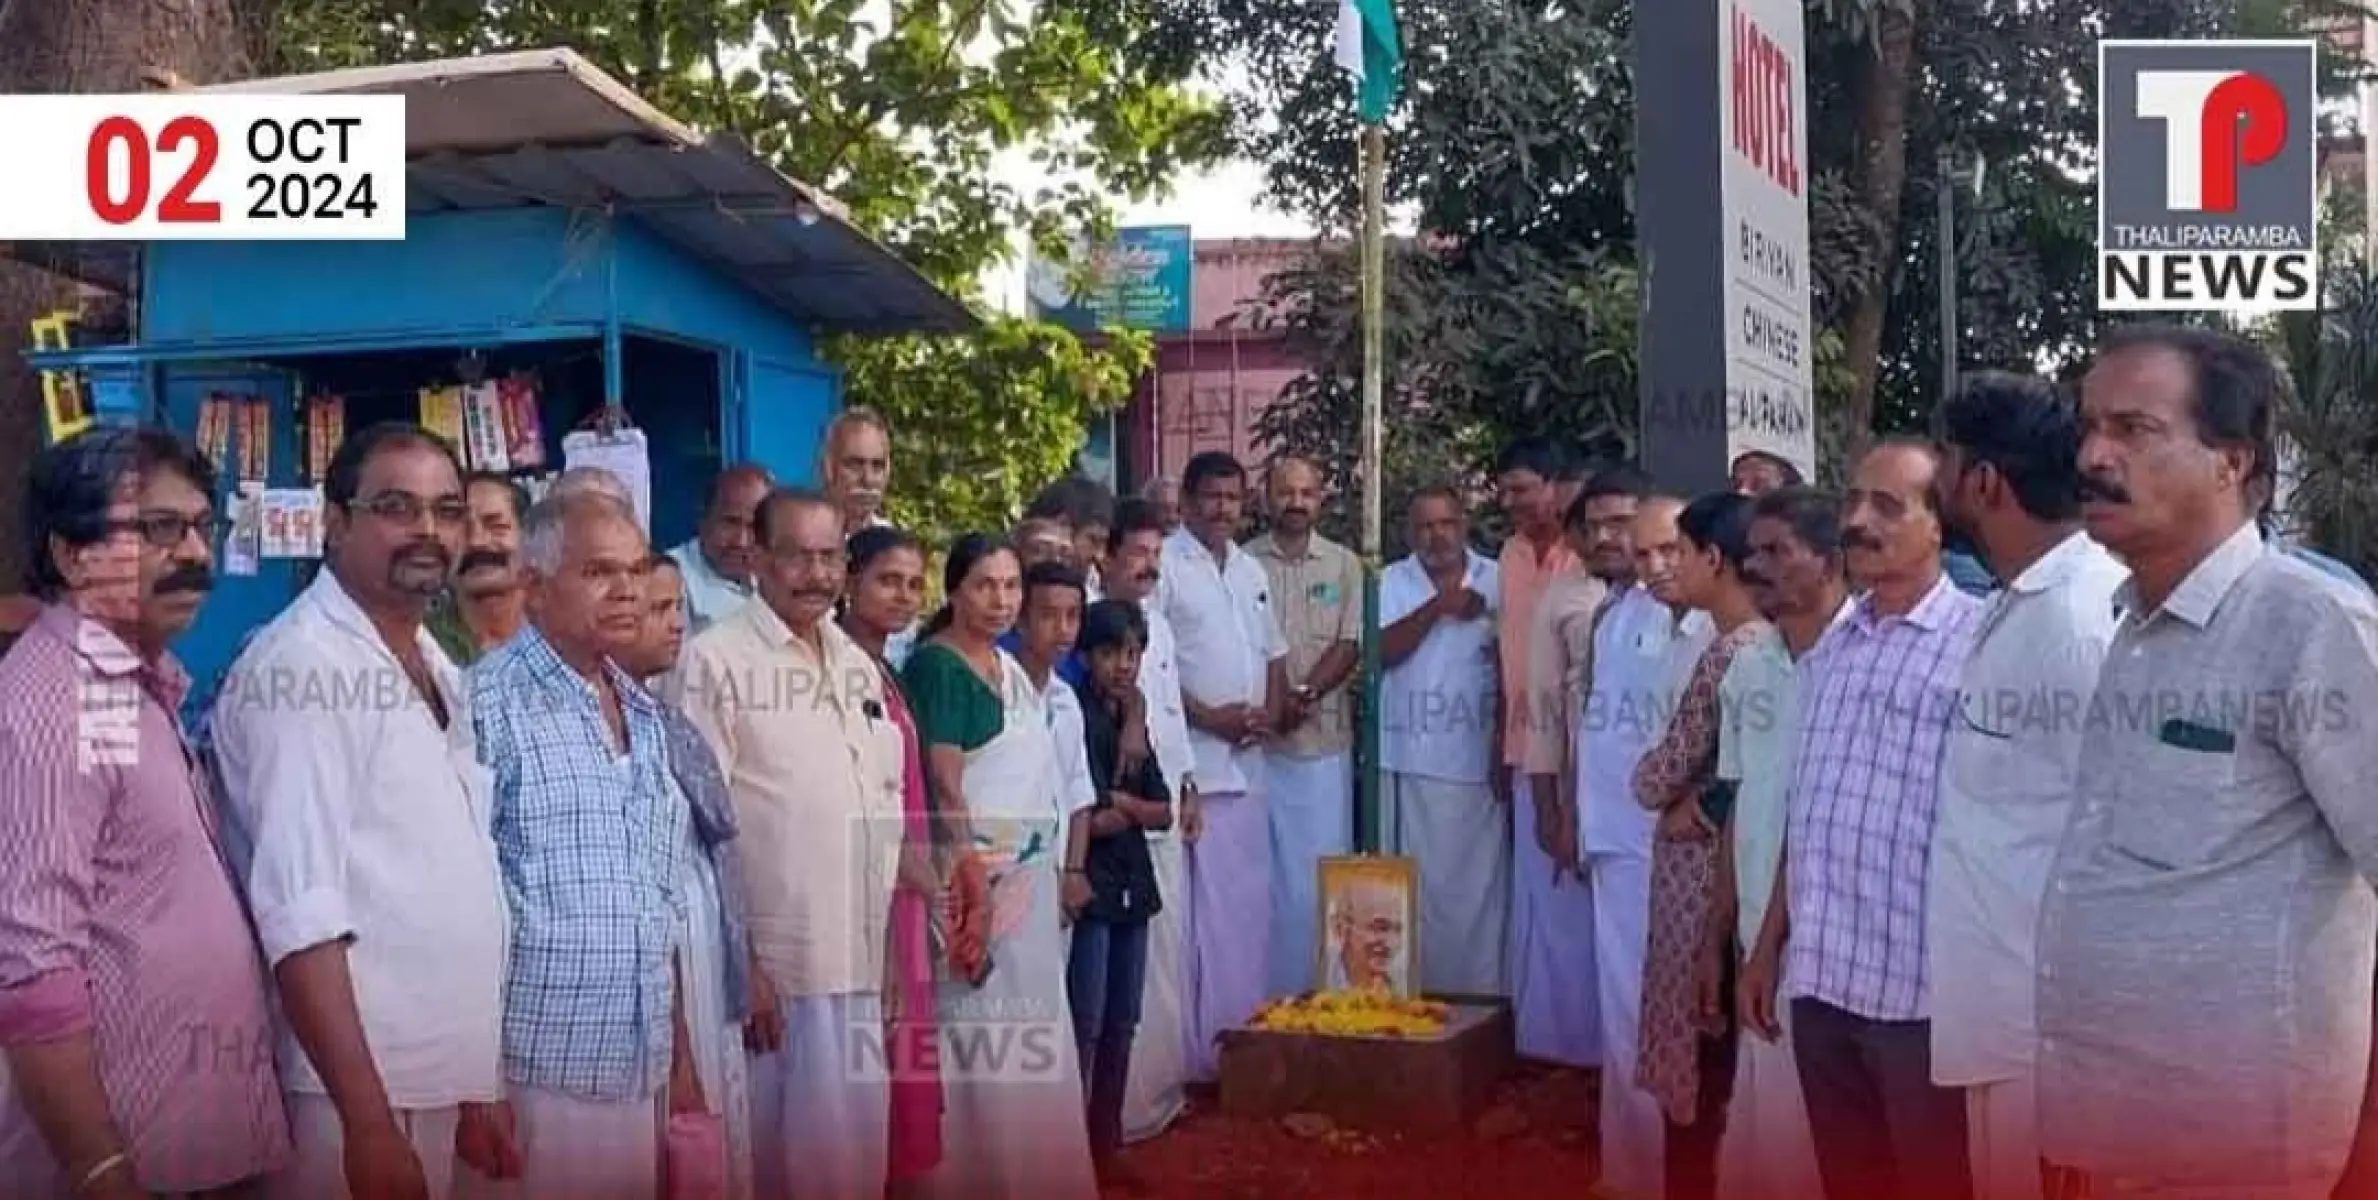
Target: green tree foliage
901	110
1514	149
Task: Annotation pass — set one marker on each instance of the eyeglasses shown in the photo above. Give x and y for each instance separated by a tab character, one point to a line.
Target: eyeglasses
821	560
165	530
405	508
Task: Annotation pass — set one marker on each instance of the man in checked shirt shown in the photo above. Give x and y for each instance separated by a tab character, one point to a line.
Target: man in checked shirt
594	839
1879	693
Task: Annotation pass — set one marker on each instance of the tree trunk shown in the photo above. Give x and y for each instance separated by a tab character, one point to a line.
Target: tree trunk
1882	174
81	46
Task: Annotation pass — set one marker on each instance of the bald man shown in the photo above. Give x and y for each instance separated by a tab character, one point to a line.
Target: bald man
1369	937
1316	590
719	561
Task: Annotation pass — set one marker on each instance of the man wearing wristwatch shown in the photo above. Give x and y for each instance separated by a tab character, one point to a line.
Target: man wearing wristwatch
1316	588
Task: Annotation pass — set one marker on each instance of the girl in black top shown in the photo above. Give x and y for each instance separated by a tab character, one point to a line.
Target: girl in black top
1107	966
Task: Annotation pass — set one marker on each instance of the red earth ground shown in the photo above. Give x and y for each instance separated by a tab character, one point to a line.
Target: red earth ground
1536	1141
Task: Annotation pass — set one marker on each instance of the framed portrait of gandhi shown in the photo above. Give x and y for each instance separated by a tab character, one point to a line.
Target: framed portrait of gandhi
1370	925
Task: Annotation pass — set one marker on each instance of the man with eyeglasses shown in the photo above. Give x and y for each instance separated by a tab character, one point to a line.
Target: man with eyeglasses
351	771
795	712
131	999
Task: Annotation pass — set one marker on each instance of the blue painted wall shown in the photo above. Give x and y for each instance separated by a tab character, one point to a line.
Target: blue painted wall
453	272
778	397
755	391
239	603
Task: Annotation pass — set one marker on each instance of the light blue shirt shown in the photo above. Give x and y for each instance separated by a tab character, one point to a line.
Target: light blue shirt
594	847
709	595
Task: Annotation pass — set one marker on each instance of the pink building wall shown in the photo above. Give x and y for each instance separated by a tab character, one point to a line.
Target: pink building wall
1212	384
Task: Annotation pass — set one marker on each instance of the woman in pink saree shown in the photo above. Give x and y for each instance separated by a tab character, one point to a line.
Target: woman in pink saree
887	585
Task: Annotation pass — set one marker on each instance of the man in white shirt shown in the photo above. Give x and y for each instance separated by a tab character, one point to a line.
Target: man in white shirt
1437	609
2010	484
1135	549
351	775
718	562
1794	573
1233	660
1642	654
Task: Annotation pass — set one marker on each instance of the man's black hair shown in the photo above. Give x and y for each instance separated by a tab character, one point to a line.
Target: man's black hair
1212	464
2238	388
2027	430
1813	514
344	478
73	484
1133	515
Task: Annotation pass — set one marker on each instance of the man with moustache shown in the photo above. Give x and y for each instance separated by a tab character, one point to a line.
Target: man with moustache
858	466
1437	697
795	712
2010	484
1316	587
594	841
489	600
2206	943
1233	661
1550	947
718	562
1878	699
133	1016
1135	550
1794	573
351	770
1636	653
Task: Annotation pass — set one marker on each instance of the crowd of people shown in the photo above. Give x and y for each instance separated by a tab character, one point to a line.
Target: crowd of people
518	858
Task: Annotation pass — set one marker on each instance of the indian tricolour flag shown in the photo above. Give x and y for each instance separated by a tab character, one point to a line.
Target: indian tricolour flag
1368	50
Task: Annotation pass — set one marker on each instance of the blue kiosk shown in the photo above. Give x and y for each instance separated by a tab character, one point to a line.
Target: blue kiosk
558	226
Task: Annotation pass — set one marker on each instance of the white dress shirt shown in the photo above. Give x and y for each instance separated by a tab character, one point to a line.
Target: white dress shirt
1080	790
1643	656
1226	639
353	815
1160	694
1437	707
2007	779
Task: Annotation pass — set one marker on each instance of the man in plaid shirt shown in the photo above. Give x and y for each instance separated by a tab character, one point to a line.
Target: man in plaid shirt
593	838
1877	698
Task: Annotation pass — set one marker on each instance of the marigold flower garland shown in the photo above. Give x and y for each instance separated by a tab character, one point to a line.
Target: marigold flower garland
1370	1013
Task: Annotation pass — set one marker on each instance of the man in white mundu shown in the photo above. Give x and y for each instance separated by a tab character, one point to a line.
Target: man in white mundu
1232	658
1135	551
781	693
1437	610
363	816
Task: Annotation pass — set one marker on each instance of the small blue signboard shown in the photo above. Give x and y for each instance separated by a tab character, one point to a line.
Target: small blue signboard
1140	281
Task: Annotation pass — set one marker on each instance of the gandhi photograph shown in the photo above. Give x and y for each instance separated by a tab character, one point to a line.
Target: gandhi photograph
1369	912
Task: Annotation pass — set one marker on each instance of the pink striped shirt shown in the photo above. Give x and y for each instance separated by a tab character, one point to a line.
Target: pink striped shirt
118	918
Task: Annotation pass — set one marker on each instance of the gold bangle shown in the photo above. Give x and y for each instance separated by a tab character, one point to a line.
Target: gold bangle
101	1171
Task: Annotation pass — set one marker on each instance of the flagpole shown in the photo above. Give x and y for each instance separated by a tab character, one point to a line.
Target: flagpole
1372	810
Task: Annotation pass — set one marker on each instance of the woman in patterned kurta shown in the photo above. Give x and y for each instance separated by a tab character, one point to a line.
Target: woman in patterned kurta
1676	778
